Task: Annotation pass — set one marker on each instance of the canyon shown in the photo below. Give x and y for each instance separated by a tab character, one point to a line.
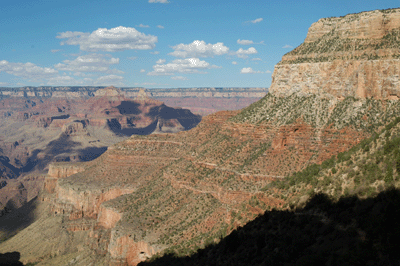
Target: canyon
201	101
182	191
38	131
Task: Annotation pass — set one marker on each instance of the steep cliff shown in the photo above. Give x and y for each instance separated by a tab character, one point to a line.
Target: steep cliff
355	55
181	192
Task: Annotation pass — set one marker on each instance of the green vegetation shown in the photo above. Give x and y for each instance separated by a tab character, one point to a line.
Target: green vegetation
360	114
366	169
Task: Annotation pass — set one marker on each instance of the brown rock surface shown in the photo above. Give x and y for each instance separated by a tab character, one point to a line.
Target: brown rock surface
355	55
186	190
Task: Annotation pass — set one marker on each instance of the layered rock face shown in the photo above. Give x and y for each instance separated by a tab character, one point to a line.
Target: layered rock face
178	192
355	55
37	131
201	101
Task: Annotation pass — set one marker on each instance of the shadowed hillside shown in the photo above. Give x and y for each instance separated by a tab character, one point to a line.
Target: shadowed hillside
350	231
341	212
160	194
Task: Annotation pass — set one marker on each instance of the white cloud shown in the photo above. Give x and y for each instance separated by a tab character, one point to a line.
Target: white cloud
160	26
27	70
244	53
143	26
80	74
112	40
132	58
55	50
287	46
249	70
160	61
244	42
257	20
159	1
256	59
100	81
155	52
63	80
109	80
268	71
142	70
199	49
179	78
89	63
234	63
4	84
189	65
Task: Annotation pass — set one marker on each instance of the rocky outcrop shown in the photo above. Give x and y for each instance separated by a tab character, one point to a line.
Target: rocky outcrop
62	170
125	251
86	203
355	55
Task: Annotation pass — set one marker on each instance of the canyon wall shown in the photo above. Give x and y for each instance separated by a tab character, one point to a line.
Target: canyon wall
355	55
88	91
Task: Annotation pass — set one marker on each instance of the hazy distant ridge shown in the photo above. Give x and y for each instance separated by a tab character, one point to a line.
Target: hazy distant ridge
88	91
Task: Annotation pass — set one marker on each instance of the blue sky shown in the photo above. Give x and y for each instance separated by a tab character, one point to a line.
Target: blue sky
156	43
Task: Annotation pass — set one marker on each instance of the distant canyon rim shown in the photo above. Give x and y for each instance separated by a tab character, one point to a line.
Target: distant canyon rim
182	190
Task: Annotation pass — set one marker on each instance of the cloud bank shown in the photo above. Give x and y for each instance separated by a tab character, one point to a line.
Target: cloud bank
199	49
112	40
189	65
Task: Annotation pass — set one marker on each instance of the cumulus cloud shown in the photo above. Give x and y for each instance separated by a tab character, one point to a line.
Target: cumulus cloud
109	80
159	1
234	63
89	63
199	49
249	70
189	65
241	53
244	42
160	61
110	40
142	70
160	26
63	80
99	81
256	20
287	46
27	70
179	78
155	52
268	71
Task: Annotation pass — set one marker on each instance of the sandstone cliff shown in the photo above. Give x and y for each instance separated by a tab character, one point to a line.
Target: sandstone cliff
180	192
355	55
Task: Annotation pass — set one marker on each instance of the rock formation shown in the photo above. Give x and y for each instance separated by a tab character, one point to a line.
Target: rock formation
38	131
201	101
355	55
180	192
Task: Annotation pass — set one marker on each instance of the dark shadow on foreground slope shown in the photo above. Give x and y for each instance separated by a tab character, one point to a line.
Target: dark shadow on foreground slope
11	223
348	232
10	259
